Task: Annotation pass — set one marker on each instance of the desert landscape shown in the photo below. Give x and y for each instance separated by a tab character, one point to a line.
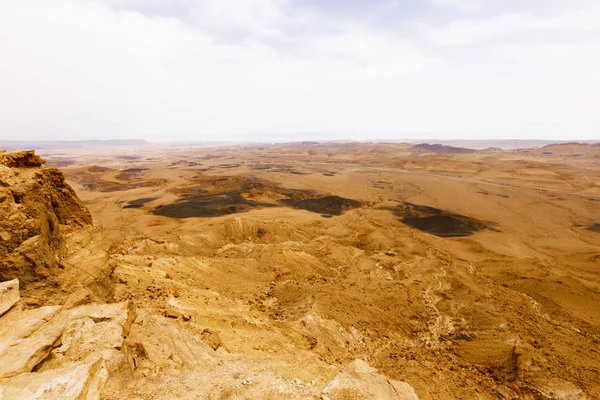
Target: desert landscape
307	270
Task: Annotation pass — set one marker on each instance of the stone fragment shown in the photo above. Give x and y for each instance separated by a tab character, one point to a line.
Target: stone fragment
360	381
72	381
175	313
27	337
123	314
211	338
9	295
20	324
94	329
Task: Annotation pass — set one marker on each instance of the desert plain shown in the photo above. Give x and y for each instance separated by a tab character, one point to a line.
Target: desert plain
263	270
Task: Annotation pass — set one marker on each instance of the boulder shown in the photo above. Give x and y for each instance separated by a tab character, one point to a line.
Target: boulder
93	330
21	159
72	352
17	325
360	381
212	339
9	295
123	314
70	382
27	337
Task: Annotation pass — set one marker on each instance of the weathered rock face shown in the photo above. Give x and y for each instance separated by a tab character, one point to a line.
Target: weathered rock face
58	353
72	381
27	338
9	295
21	159
360	381
37	208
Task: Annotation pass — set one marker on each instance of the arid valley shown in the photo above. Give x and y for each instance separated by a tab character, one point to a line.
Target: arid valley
267	271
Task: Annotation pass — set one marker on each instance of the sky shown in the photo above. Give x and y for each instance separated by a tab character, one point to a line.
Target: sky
282	70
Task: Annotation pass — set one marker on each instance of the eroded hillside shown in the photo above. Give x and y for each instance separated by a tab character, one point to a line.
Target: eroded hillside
332	271
78	319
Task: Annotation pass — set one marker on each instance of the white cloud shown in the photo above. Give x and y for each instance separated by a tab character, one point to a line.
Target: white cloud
469	31
573	54
262	17
209	70
463	4
84	68
372	52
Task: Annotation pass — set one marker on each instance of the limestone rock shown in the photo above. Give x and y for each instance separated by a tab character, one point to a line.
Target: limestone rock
94	328
360	381
176	310
404	390
21	159
211	338
73	352
124	314
165	342
72	381
26	338
37	209
9	295
16	325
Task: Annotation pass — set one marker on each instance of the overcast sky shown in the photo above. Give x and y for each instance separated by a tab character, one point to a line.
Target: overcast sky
298	69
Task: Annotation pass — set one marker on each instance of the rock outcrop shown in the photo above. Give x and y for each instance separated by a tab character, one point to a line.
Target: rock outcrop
21	159
58	353
9	295
38	210
72	381
51	253
358	380
91	352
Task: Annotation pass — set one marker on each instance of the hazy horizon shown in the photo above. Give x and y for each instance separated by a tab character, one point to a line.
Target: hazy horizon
269	70
508	143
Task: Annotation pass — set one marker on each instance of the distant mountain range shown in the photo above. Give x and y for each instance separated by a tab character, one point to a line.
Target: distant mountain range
423	146
486	144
